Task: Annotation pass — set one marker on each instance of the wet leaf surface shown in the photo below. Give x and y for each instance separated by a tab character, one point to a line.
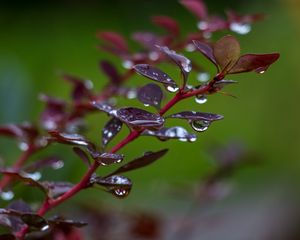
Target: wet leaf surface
150	94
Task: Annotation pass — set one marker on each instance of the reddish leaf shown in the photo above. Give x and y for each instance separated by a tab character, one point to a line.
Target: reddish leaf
107	158
254	62
147	39
167	23
110	130
197	7
150	94
114	39
206	50
69	138
194	116
104	107
110	70
145	160
138	118
56	189
227	52
53	162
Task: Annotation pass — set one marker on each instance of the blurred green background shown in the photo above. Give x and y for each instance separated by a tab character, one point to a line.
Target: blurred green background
39	40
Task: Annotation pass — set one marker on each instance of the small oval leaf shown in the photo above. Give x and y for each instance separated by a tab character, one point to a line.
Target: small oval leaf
164	134
194	116
111	72
150	94
207	51
110	130
167	23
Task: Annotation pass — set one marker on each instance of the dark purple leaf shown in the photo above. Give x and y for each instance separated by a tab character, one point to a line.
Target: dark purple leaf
35	221
164	134
212	24
254	62
156	74
82	155
24	177
59	221
207	51
107	158
197	7
181	61
138	118
119	186
81	88
110	130
53	162
146	159
150	94
114	39
15	209
69	138
110	70
104	107
227	52
167	23
147	39
196	116
56	189
53	114
23	132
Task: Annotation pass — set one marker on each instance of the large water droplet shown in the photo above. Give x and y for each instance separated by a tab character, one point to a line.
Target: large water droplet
240	28
202	25
203	76
7	196
57	165
120	192
23	146
200	126
172	89
127	64
201	99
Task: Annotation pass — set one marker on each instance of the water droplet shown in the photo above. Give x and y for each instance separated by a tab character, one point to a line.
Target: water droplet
34	176
202	25
131	94
201	99
203	76
153	56
186	65
7	196
23	146
172	89
45	228
192	139
240	28
261	72
182	139
190	47
57	165
146	105
120	192
49	125
207	35
200	126
127	64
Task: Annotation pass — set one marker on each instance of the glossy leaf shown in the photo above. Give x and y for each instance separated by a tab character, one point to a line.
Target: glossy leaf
119	186
112	73
195	116
167	23
110	130
222	83
56	189
82	155
104	107
15	209
69	138
197	7
147	39
155	74
35	221
138	118
145	160
107	158
164	134
52	161
150	94
254	62
181	61
227	52
206	50
59	221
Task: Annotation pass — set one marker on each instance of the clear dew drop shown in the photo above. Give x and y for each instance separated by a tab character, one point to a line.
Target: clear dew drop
192	139
203	76
45	228
146	105
120	192
34	176
187	66
190	47
172	89
201	99
240	28
57	165
202	25
153	56
127	64
182	139
7	196
23	146
131	94
261	72
200	126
